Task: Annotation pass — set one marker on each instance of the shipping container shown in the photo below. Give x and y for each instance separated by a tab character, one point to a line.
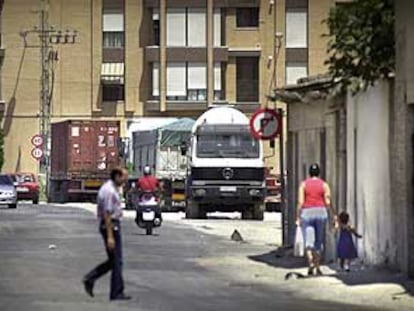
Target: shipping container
82	155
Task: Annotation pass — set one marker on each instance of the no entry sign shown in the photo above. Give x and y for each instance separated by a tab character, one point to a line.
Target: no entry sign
266	124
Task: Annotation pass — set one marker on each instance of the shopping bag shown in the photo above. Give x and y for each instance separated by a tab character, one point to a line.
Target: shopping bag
299	248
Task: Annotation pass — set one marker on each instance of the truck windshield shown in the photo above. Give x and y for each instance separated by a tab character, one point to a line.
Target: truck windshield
218	145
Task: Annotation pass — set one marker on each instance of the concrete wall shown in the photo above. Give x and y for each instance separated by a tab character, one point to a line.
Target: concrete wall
401	136
369	179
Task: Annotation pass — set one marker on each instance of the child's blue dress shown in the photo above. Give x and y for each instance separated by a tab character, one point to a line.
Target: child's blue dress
346	248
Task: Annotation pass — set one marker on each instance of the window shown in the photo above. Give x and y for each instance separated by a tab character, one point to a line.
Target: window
297	28
295	71
218	88
156	26
186	27
235	145
196	27
176	81
112	92
113	30
113	39
217	27
155	80
197	81
185	81
176	23
247	17
247	73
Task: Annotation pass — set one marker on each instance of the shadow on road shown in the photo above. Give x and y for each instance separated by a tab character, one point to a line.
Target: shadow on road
376	276
280	258
283	258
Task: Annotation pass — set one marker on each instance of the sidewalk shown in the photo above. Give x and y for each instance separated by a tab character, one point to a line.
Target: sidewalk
365	286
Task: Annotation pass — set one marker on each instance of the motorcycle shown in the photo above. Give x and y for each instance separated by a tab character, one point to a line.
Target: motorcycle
148	211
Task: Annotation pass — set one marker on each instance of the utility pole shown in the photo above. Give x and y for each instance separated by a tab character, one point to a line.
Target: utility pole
48	37
45	101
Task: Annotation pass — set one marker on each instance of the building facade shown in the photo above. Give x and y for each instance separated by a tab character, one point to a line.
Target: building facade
137	58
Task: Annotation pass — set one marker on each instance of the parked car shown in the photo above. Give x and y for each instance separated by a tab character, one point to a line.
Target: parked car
8	194
27	187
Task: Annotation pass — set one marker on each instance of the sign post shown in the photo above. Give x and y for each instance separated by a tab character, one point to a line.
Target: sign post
267	124
283	203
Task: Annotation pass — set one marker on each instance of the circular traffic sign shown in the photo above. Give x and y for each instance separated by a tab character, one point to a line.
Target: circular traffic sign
37	140
37	153
266	124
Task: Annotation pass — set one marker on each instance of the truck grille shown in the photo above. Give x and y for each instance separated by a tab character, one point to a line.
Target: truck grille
227	173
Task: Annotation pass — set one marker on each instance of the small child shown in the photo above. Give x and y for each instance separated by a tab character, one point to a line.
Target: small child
346	250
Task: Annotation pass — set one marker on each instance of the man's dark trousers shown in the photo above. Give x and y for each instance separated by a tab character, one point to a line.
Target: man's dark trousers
113	263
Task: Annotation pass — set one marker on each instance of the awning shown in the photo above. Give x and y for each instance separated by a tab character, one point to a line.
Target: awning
112	73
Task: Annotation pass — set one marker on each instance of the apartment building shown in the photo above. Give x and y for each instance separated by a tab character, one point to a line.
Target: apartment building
137	58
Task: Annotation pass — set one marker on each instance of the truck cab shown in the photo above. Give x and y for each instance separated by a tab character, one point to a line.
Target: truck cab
226	169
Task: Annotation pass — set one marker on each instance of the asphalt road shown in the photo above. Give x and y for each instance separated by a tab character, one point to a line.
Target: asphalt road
161	271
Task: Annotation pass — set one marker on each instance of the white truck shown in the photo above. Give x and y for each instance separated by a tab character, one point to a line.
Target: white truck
160	149
226	169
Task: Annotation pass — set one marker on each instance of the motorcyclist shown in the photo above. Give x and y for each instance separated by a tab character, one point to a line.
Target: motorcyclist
148	183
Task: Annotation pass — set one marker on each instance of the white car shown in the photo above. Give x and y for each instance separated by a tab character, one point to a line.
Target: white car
8	193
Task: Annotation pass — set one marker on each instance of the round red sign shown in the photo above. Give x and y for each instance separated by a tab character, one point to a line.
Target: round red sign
266	124
37	140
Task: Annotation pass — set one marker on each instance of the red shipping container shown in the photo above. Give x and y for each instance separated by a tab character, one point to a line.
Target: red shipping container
82	147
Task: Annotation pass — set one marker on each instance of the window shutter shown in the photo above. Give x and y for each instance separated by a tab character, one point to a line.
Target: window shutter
197	76
197	27
155	79
217	76
296	29
176	27
113	22
295	72
217	27
176	85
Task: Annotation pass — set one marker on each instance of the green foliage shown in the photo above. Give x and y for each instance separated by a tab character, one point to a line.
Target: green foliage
362	43
1	149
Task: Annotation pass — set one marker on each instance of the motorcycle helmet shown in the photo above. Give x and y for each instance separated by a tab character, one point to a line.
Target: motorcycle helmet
147	170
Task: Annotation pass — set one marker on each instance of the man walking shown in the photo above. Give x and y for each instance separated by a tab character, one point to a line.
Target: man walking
109	215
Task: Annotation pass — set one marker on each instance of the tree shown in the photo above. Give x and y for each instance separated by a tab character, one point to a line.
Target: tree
1	149
361	46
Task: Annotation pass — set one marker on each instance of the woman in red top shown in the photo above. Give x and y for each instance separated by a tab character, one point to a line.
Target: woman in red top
313	203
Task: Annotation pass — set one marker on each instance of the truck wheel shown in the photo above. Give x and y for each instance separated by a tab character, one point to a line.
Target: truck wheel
247	214
63	192
148	229
192	211
13	205
258	212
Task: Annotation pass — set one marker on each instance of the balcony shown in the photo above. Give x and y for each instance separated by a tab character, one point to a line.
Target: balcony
185	54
